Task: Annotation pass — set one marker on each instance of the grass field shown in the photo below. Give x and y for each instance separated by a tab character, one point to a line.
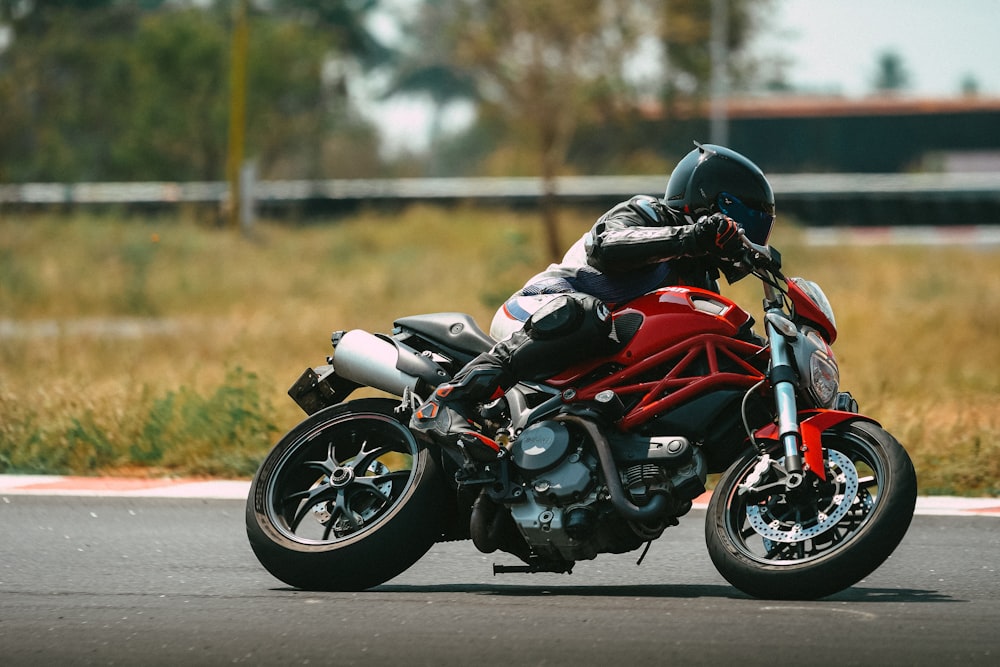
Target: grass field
159	346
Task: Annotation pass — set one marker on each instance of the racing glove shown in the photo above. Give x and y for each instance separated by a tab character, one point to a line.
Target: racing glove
719	235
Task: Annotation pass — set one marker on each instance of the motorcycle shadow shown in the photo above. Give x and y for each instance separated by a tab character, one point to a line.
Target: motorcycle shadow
534	590
882	595
890	595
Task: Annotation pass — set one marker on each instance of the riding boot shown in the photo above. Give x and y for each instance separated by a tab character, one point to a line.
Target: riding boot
444	417
566	330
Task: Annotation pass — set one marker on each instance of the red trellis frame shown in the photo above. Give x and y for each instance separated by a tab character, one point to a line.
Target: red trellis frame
675	387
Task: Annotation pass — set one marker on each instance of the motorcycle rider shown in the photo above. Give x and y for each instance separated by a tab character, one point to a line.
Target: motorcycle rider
561	316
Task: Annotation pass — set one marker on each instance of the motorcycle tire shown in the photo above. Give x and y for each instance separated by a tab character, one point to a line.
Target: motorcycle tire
347	500
823	537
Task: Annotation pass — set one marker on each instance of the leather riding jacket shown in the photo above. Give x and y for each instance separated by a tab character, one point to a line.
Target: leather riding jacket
634	248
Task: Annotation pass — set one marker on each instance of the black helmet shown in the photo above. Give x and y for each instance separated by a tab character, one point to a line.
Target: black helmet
714	179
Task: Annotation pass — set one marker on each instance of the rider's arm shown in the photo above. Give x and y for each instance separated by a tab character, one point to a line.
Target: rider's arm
643	231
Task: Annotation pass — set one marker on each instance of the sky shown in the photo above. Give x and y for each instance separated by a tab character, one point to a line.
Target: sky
834	44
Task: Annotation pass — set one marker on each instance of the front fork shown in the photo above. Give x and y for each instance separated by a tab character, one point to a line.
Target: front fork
783	382
800	434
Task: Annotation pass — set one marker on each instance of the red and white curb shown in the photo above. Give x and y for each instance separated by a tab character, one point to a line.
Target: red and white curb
129	487
55	485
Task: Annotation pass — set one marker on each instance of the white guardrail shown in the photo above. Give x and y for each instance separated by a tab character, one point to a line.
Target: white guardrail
570	187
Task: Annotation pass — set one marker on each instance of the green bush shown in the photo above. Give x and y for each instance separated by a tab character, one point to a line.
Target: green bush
223	433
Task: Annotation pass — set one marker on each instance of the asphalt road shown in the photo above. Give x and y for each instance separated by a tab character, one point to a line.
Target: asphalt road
139	581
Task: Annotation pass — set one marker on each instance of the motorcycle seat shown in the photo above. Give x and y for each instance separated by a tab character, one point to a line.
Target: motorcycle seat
455	330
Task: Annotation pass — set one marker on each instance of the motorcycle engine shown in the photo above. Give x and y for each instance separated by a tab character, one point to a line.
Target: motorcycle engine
565	510
548	456
560	479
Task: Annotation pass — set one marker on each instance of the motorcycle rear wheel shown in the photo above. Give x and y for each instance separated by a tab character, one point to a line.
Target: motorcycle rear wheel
825	536
347	500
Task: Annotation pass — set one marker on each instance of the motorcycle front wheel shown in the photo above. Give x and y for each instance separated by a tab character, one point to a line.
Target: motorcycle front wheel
824	536
347	500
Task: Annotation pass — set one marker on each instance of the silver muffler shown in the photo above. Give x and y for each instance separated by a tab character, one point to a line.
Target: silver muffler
383	363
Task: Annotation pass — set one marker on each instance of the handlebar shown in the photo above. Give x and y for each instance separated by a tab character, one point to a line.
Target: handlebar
760	256
765	262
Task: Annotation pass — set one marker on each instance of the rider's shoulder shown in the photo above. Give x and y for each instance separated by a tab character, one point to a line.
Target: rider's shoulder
643	210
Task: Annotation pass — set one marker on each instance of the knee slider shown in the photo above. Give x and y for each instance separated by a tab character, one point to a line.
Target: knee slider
558	317
570	315
562	333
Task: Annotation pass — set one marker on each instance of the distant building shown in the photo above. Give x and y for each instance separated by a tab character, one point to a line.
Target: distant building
886	134
942	140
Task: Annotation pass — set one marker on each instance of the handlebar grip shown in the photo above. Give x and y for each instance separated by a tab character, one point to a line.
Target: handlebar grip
760	256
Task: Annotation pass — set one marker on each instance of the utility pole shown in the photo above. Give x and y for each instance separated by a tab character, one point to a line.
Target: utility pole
237	110
719	51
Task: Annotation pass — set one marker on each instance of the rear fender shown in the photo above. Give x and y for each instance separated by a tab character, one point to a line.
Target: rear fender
812	423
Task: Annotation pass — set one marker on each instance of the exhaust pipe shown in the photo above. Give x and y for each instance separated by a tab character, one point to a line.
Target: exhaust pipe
383	363
657	505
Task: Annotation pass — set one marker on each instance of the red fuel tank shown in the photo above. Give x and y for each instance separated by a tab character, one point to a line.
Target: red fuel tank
670	315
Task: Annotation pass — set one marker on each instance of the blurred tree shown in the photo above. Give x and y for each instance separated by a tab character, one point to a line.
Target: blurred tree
538	69
177	114
429	70
30	15
61	81
348	145
111	89
347	21
686	30
969	85
301	122
106	91
179	107
891	75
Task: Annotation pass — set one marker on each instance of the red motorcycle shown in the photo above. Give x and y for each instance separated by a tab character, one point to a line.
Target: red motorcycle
601	458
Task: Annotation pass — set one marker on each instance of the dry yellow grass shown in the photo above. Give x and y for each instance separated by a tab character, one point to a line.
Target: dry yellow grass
240	318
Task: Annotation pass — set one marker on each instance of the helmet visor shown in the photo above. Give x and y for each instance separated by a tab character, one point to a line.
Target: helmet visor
756	224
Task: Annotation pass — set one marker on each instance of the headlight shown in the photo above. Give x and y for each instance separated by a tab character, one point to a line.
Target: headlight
817	368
